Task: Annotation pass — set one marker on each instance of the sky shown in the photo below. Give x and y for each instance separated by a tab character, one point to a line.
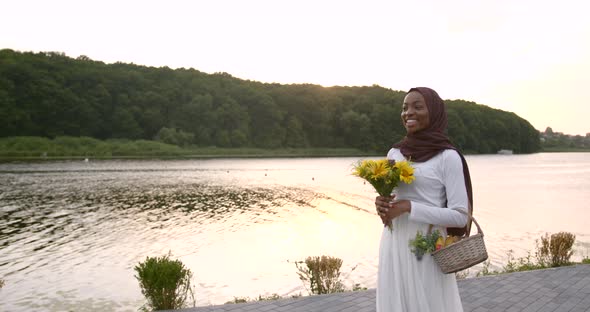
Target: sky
530	57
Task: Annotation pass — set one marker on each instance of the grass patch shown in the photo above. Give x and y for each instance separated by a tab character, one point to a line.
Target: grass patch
259	298
564	150
38	148
280	152
320	275
553	250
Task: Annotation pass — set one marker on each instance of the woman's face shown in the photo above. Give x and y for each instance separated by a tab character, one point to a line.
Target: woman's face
415	112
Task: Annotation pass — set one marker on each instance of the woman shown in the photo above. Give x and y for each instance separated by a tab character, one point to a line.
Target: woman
441	189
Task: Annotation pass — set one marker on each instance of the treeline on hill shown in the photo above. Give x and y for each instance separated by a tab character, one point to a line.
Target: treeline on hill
49	94
558	141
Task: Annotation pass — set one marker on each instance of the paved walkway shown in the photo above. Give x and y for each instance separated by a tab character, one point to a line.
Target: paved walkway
565	289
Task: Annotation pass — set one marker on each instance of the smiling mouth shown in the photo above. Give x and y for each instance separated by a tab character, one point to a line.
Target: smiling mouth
411	122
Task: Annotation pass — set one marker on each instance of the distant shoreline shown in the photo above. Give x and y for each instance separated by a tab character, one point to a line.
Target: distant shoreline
206	153
269	154
564	150
38	149
181	157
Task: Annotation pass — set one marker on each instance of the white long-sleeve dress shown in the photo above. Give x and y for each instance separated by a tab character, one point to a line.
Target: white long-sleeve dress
406	284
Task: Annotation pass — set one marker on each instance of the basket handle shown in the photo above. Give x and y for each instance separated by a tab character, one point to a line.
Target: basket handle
479	231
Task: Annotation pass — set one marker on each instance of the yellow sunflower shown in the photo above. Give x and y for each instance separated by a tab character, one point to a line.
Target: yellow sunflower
363	169
379	169
406	171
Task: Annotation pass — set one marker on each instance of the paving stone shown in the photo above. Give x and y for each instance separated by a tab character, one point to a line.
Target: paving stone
564	289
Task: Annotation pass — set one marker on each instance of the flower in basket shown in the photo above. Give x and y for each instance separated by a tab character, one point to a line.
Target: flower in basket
423	244
384	175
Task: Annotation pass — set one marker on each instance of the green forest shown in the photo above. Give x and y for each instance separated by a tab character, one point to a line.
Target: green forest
51	95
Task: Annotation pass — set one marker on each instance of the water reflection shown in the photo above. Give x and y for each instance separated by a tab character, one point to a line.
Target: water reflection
71	232
74	225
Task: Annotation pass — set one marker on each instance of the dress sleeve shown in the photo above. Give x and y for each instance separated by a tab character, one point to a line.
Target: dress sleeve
454	184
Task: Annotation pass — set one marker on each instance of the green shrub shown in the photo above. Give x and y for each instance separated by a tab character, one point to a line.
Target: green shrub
274	296
461	274
521	264
555	250
486	268
513	265
25	146
77	146
358	287
238	300
174	137
552	251
165	283
322	274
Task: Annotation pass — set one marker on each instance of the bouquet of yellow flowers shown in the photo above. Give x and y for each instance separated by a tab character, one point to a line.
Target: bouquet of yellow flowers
384	175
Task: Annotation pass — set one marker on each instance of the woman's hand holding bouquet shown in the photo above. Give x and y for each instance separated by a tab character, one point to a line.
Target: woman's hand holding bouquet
384	175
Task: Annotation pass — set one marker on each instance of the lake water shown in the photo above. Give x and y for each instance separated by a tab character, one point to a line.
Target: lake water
71	232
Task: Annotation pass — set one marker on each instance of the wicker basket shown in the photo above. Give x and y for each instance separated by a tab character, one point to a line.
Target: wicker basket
463	254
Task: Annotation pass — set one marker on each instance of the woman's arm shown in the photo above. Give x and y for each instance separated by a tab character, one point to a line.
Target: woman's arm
454	183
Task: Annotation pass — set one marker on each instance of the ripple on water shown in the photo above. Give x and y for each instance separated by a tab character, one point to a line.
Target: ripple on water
71	230
82	225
